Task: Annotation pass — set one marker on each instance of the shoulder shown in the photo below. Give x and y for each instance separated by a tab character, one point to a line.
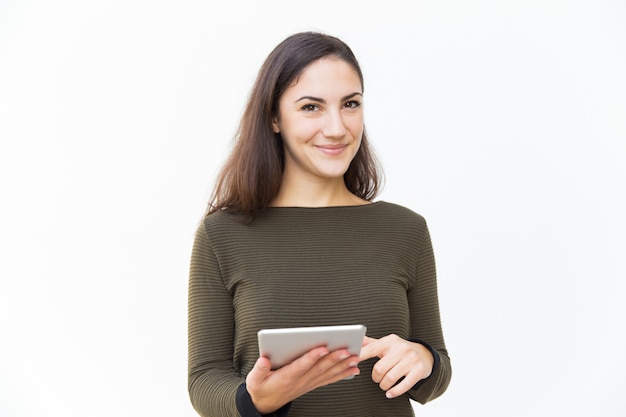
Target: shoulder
220	219
399	213
219	224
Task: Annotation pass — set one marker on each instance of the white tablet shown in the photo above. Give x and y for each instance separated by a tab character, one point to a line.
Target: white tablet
282	346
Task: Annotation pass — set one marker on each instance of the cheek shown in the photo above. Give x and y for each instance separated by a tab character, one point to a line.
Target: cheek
300	131
356	127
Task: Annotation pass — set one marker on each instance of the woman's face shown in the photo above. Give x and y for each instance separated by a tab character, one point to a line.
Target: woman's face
320	119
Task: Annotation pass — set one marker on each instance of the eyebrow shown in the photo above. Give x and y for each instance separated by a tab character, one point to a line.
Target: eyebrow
321	100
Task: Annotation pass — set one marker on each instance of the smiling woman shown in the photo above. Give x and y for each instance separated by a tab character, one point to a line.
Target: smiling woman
320	120
253	175
293	238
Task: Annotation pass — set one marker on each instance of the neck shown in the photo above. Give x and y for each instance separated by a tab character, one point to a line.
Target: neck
315	194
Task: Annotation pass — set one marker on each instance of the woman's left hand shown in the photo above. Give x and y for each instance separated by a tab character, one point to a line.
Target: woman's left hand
398	358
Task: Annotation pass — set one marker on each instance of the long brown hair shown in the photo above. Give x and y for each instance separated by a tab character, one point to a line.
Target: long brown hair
252	175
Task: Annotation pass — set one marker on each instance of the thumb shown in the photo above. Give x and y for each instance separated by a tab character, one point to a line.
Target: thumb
259	372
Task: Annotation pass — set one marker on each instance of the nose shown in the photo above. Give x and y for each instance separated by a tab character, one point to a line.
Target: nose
334	125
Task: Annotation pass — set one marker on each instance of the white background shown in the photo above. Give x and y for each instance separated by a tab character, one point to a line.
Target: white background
502	122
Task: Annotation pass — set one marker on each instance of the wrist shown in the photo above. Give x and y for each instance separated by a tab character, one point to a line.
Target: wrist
247	407
435	356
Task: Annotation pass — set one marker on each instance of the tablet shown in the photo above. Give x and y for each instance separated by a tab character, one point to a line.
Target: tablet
282	346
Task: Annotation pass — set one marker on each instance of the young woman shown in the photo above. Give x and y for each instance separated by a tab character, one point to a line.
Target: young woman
292	238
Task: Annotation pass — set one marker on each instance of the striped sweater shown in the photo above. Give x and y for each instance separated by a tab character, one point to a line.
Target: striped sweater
295	267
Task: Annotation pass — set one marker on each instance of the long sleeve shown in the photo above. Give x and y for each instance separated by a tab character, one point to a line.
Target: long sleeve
297	267
426	322
213	382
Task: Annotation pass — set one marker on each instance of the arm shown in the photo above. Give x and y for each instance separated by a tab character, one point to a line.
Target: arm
426	322
216	388
212	380
420	365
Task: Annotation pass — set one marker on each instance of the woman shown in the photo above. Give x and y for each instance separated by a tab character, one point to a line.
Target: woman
292	238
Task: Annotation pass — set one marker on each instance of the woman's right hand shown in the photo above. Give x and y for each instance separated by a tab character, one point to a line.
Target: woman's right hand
270	390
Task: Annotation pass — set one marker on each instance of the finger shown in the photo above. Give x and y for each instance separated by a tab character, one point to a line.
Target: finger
334	367
403	386
382	368
337	360
367	340
344	372
374	348
389	376
305	362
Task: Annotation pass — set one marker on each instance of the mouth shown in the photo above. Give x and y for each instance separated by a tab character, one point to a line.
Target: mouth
331	149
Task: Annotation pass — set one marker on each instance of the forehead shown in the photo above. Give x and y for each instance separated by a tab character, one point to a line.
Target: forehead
327	75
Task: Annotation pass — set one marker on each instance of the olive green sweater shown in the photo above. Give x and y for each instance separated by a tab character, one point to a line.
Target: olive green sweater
295	267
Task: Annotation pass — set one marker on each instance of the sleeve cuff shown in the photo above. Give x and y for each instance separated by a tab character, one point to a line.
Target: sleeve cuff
246	407
435	364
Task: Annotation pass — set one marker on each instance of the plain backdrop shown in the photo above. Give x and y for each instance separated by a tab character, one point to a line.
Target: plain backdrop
502	122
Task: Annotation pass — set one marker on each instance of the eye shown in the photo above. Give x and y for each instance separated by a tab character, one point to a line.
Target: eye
310	108
352	104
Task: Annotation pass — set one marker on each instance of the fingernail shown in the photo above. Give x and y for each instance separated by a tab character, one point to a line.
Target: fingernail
353	364
344	356
388	394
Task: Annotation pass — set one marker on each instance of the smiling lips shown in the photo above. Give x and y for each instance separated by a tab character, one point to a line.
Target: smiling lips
331	149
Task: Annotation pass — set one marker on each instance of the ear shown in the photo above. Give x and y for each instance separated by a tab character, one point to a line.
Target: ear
275	126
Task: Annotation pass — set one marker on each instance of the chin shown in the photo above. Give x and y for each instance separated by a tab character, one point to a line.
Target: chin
331	174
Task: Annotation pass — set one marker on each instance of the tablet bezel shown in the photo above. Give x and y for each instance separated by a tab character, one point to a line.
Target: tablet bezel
282	346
